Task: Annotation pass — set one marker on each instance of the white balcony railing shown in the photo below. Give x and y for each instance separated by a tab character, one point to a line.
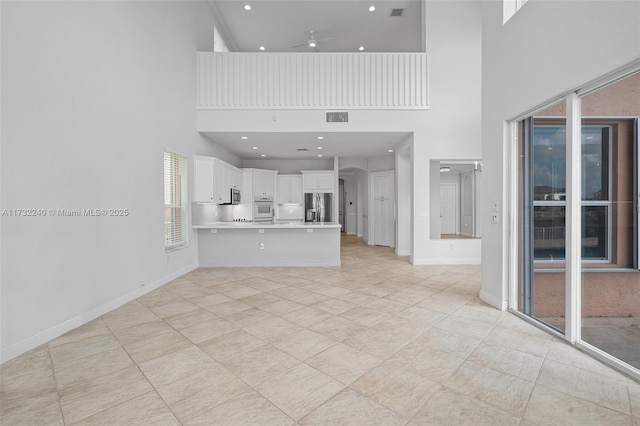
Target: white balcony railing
312	80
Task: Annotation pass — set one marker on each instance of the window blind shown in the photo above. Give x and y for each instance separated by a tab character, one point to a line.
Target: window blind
175	191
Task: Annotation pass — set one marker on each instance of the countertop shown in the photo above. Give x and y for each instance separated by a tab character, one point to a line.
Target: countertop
267	225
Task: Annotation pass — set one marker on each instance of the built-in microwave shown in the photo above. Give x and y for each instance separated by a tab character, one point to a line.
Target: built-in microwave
263	209
235	196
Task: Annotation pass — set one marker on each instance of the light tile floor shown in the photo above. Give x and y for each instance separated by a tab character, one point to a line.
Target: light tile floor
376	341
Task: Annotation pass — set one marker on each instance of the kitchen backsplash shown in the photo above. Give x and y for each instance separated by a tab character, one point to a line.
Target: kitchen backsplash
285	212
202	214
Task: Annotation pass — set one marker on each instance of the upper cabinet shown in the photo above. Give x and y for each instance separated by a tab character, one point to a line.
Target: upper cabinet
318	181
203	179
290	189
264	183
214	179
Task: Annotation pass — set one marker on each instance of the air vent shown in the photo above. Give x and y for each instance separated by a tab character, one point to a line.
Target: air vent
337	117
397	12
302	150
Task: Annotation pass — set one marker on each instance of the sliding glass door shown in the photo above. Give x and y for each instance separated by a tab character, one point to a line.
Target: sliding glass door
610	281
542	188
576	203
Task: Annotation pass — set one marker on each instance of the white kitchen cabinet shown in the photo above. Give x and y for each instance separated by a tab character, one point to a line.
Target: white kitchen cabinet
213	180
236	178
289	189
203	191
220	183
318	181
264	183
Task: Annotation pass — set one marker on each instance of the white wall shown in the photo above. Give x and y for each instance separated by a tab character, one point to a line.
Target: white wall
289	166
381	164
546	49
451	129
92	93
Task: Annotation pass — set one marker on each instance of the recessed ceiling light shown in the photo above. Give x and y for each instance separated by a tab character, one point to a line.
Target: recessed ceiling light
261	47
244	138
319	147
361	48
389	150
372	8
254	147
320	137
247	7
319	155
263	155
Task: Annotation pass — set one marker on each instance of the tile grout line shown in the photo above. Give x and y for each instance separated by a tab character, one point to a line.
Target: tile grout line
55	382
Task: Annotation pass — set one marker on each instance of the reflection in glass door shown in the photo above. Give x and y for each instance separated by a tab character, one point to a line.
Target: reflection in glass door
610	280
542	179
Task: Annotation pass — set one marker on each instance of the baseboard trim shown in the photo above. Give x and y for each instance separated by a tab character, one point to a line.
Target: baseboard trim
454	261
275	264
75	322
493	301
404	253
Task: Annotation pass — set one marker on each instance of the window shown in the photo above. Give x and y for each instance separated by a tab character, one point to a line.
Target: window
175	200
510	7
549	191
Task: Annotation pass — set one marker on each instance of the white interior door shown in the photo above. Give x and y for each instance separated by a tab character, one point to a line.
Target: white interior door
448	208
383	210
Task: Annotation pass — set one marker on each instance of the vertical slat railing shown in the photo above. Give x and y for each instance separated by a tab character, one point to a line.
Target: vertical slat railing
312	80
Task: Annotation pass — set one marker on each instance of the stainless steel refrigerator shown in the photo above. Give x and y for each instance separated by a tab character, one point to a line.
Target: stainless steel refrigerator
318	207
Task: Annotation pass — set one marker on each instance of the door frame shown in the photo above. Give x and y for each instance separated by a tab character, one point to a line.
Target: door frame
472	198
371	203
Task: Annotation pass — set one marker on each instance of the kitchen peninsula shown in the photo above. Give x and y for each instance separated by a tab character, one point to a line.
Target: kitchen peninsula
234	244
254	217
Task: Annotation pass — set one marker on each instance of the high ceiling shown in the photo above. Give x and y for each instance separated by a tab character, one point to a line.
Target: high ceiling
340	26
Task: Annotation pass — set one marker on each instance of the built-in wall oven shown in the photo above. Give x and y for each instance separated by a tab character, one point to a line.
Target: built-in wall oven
263	209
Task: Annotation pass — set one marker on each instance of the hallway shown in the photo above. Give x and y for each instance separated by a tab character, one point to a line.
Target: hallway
375	341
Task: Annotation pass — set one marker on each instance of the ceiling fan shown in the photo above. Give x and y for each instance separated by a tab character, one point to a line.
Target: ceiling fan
312	42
